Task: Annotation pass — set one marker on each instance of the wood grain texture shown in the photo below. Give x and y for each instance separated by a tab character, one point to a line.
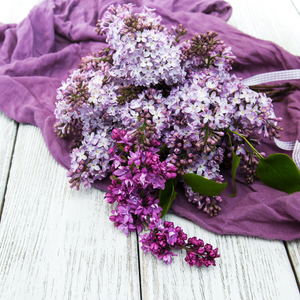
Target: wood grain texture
14	11
57	243
7	139
297	5
249	268
276	21
10	12
293	248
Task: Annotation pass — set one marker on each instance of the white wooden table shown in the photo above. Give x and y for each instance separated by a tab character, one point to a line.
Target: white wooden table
57	243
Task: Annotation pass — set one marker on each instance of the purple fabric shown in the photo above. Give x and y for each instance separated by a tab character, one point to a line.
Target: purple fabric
47	46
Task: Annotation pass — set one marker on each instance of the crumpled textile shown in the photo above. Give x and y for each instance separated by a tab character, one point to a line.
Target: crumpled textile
41	51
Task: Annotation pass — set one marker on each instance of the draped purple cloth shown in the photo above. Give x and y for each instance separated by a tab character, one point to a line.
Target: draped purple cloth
41	51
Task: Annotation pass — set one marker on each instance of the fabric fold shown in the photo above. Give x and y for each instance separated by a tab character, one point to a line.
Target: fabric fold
40	52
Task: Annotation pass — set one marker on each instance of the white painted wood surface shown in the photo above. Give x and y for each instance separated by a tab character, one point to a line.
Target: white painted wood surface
276	21
57	243
249	268
9	127
15	11
297	5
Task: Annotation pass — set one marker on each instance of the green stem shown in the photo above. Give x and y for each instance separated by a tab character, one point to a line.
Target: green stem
230	141
253	149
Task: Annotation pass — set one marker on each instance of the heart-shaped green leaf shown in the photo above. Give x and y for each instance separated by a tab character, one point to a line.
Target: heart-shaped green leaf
279	172
235	164
167	196
202	185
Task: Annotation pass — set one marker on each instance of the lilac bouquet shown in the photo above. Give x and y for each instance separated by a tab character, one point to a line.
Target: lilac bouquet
152	112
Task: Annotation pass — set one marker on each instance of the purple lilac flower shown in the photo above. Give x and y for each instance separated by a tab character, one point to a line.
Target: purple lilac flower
136	175
150	108
165	236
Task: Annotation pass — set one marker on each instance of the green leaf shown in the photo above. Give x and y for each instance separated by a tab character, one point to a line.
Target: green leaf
279	172
235	163
167	195
202	185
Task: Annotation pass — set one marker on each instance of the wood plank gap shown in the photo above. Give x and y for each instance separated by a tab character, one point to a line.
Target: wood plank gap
292	264
139	263
296	4
8	172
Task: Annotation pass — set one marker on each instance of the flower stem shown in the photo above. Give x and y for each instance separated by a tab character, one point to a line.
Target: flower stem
250	145
273	90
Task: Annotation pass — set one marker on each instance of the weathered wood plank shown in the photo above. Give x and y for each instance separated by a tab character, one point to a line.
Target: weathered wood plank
249	268
15	11
57	243
297	5
7	139
293	248
276	21
10	12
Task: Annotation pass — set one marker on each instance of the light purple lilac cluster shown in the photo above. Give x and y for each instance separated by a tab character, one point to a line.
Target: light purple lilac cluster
144	53
149	108
184	95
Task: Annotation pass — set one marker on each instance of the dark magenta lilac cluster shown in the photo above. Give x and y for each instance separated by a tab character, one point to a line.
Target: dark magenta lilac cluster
136	175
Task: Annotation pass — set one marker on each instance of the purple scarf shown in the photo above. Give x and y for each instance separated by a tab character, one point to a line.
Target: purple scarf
40	52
